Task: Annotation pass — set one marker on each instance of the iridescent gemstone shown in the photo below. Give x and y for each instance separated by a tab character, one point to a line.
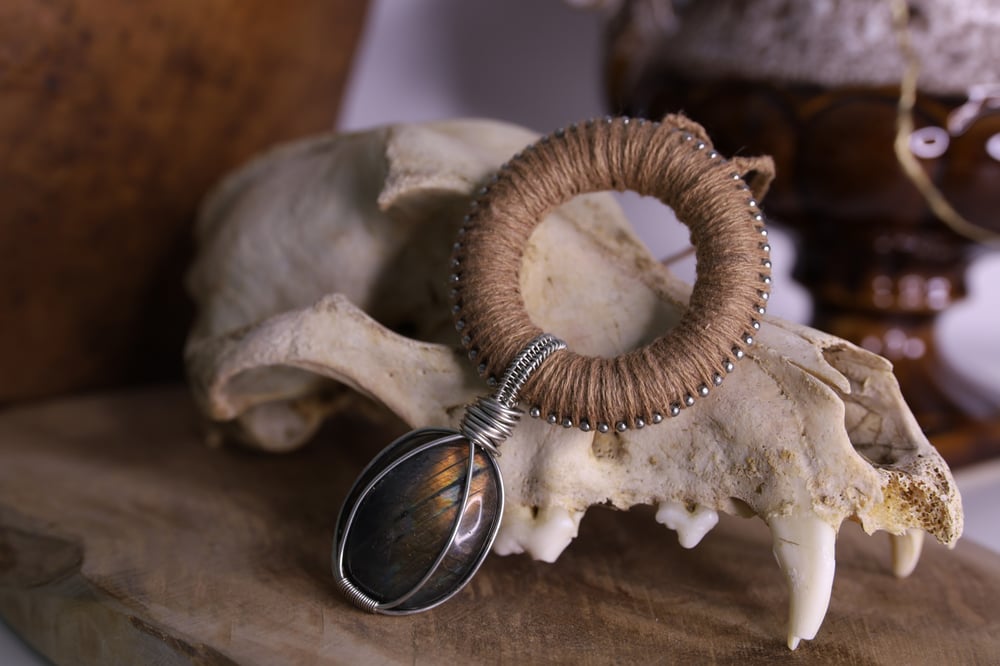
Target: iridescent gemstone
407	533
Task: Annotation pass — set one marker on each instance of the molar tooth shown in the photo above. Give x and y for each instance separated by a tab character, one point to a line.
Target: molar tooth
543	536
906	549
804	548
691	526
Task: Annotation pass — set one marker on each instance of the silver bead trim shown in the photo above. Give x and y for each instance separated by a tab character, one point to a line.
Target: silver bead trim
621	426
603	427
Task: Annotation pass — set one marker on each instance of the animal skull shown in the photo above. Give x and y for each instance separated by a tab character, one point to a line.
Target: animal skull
316	258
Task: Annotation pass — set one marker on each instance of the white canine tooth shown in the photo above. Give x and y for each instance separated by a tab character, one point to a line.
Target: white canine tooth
544	536
691	526
804	548
906	549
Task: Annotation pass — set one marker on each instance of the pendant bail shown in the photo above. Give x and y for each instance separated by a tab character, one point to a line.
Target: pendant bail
491	420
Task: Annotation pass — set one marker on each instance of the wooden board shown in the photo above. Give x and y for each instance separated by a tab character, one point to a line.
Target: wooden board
124	540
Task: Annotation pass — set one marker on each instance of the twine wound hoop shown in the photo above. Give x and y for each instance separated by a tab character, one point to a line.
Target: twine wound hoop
672	160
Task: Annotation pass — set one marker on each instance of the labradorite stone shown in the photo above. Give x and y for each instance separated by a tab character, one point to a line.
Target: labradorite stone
403	523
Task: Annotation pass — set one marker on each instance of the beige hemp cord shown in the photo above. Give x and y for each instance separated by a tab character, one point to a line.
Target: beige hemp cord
673	161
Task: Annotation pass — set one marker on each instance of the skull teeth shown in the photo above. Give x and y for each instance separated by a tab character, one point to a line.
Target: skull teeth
906	549
804	548
544	536
691	522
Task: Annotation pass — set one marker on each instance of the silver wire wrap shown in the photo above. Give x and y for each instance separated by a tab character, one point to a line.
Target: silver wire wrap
489	421
356	596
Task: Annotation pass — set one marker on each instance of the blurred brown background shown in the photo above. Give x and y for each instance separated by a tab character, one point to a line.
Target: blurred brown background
115	119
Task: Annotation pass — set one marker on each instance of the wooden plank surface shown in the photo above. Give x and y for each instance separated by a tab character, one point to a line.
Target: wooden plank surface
123	539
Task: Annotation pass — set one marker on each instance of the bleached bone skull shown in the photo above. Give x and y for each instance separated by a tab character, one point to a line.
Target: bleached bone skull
316	258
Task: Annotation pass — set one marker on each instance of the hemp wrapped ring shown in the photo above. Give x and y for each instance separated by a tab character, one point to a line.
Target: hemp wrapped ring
716	198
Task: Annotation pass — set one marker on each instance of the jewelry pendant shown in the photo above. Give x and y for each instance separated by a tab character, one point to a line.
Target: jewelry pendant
422	516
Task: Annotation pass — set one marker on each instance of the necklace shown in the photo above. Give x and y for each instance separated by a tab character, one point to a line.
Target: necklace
423	515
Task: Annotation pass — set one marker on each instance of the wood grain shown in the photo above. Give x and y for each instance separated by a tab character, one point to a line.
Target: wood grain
124	540
115	119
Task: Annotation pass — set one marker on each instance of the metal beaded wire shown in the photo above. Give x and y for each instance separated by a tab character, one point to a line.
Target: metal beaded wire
672	160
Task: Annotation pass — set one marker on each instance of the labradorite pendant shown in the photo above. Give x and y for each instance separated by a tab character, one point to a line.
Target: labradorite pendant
423	515
419	521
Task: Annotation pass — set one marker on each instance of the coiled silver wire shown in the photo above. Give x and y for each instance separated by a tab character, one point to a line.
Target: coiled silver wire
524	365
356	596
489	421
